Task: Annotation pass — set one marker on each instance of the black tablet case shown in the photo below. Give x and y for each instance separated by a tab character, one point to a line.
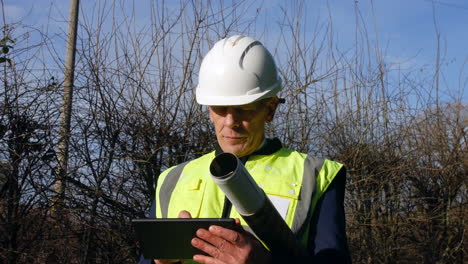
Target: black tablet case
169	238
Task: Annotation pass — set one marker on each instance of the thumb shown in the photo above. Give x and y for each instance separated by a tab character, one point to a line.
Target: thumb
184	214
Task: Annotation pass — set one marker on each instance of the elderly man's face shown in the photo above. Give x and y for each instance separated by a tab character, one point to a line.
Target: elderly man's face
240	129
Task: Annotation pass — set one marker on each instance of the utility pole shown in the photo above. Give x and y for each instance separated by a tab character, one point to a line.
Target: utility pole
65	114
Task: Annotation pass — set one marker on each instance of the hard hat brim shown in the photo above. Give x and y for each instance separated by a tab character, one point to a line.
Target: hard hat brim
237	100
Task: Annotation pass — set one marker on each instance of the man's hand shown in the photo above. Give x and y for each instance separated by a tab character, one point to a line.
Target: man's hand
226	246
182	214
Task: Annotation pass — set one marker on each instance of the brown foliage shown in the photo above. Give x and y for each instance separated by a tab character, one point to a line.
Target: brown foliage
134	116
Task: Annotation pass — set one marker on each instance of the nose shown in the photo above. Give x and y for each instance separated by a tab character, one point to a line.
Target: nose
231	119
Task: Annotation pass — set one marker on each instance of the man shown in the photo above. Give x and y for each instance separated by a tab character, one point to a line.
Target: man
238	81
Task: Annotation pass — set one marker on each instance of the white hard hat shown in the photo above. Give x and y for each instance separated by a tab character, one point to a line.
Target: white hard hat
238	70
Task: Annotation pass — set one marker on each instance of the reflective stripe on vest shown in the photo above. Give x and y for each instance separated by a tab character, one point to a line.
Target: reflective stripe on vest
293	181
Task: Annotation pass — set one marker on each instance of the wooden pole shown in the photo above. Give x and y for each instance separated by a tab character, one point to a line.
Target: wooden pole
65	113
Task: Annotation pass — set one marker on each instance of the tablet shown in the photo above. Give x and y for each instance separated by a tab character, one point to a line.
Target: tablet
169	238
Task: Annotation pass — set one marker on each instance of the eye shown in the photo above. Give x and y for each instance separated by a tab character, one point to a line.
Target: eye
246	111
220	110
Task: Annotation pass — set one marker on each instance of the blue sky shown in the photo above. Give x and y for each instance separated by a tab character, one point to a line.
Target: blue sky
405	30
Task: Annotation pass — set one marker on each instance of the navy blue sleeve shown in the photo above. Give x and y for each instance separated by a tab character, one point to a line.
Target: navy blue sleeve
145	261
152	211
327	238
151	214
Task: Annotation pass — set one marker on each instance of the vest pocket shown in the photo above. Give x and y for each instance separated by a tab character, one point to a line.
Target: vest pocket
289	190
187	195
284	196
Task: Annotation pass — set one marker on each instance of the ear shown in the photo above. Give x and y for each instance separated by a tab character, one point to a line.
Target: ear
271	108
210	112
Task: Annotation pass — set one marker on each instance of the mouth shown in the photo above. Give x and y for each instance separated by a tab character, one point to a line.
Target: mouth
233	138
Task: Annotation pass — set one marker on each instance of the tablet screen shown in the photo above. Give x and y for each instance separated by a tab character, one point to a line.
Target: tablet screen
169	238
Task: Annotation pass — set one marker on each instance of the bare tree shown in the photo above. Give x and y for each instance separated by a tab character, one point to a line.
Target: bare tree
135	116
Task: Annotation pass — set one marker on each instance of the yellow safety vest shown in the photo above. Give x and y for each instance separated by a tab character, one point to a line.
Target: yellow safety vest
293	181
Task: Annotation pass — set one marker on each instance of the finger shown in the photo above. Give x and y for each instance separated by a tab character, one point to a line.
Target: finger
215	255
206	259
222	244
232	236
238	227
184	214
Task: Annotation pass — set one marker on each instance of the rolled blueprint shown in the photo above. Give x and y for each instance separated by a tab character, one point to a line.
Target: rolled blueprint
256	209
235	181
